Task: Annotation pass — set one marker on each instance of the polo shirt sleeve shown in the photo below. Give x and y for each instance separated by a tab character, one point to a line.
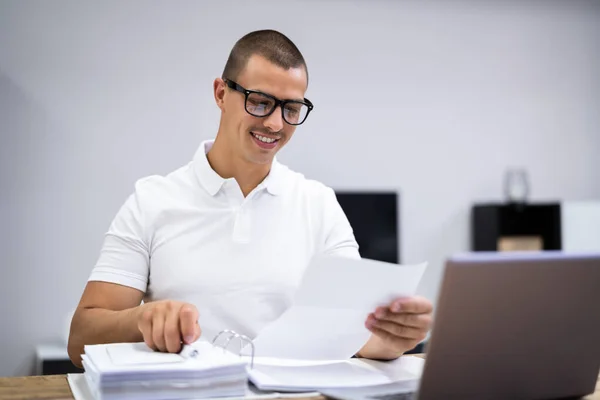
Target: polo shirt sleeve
124	256
339	236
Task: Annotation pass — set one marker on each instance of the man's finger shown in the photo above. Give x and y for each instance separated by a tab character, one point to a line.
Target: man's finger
188	319
158	331
422	321
398	330
172	332
145	326
415	305
197	332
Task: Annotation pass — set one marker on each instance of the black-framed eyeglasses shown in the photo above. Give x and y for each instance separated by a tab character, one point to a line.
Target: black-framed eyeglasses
259	104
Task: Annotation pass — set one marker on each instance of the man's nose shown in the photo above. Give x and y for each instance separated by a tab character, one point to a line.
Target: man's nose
274	121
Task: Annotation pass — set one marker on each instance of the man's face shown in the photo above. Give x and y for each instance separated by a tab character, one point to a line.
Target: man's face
244	131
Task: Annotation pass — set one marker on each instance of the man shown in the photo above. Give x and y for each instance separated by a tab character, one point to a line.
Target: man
222	242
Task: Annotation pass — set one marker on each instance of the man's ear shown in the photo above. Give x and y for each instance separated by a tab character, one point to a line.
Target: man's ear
219	93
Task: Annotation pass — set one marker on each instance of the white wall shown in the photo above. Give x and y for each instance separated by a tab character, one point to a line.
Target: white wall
580	225
434	98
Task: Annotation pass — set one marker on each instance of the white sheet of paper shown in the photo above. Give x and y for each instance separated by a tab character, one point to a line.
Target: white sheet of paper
326	321
139	353
398	376
287	362
404	373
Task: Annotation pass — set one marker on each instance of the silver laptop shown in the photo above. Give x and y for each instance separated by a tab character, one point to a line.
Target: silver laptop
514	326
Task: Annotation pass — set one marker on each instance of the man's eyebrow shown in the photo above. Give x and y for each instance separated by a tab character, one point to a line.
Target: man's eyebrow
300	100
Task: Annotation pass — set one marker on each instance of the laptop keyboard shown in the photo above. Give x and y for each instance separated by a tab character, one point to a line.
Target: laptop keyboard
397	396
387	396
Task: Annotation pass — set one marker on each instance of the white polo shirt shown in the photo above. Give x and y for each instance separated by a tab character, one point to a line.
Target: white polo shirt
192	236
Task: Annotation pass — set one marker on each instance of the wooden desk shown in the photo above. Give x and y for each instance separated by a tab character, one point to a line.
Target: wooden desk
56	387
53	387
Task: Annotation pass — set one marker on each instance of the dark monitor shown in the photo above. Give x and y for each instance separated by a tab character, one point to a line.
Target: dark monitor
374	219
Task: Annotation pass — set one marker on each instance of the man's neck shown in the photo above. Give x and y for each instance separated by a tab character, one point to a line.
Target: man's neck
227	164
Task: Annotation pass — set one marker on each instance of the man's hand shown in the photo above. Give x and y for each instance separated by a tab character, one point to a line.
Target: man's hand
397	328
166	324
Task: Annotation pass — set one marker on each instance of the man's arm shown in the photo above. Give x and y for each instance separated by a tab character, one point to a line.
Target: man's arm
107	313
111	313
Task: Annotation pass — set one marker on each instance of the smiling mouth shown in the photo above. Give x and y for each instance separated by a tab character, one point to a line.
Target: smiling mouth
264	139
264	142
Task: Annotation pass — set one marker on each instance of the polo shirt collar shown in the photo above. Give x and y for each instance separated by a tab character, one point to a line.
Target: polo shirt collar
212	182
275	180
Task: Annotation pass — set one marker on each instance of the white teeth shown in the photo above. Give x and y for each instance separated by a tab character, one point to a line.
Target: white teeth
263	139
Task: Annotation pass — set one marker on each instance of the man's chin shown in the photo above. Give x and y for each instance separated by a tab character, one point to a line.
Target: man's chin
260	160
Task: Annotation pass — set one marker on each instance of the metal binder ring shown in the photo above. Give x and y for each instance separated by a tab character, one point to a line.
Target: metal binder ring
242	339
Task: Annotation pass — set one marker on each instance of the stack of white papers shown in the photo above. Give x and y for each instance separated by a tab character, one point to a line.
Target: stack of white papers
133	371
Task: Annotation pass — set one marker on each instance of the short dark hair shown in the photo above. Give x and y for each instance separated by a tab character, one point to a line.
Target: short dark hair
270	44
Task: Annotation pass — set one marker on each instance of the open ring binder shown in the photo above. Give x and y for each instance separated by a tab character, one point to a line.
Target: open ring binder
241	338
